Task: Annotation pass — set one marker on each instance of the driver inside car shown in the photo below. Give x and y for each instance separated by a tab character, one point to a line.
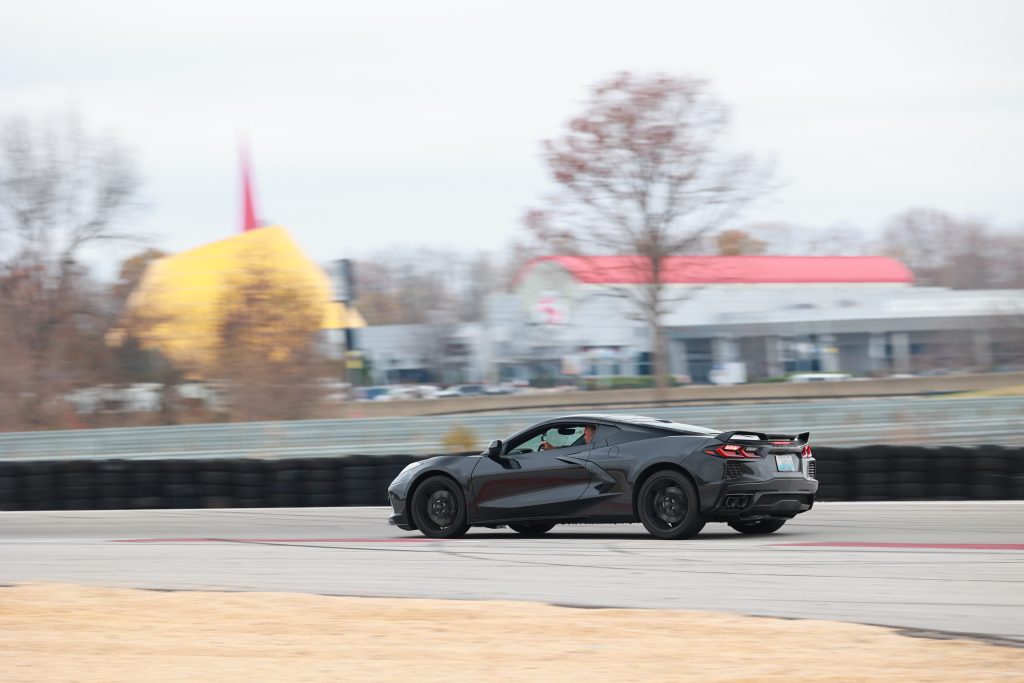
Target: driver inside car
586	438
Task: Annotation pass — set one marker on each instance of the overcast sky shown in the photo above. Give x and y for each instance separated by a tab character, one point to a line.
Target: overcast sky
380	123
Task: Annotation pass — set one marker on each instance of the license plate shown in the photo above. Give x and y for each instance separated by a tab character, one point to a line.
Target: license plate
785	463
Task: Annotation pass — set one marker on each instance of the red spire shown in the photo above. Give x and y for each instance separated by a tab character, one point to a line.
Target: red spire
248	202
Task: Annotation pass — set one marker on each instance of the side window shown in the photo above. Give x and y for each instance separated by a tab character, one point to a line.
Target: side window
559	436
564	435
530	445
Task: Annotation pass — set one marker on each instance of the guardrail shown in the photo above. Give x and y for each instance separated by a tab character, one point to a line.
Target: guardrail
689	395
852	422
867	473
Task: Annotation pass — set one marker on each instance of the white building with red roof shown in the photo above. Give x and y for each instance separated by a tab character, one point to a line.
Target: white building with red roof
775	315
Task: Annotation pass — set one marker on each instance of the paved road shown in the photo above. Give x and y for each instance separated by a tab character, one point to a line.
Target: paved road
956	567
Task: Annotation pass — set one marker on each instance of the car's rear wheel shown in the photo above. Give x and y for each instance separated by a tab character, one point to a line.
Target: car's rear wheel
439	508
758	526
532	528
668	506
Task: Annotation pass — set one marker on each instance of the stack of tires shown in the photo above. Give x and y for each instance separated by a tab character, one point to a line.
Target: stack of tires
917	473
855	473
993	473
329	482
190	483
832	469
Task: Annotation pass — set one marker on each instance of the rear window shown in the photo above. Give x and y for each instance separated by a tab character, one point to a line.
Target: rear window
687	429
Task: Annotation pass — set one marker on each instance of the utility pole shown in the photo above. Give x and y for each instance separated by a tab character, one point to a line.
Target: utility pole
344	294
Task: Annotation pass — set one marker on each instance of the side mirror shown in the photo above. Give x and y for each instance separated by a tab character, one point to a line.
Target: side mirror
494	449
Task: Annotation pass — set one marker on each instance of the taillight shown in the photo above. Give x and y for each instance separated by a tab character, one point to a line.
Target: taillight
806	451
731	450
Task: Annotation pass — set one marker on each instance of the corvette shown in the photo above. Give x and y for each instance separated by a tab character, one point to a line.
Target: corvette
672	477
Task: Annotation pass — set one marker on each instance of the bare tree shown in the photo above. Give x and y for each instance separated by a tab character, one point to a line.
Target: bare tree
922	239
946	251
62	190
789	239
643	172
404	286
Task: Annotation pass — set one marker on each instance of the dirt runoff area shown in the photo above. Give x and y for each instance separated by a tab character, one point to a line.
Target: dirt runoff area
76	633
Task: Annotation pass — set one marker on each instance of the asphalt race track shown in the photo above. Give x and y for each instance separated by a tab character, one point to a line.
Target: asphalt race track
947	566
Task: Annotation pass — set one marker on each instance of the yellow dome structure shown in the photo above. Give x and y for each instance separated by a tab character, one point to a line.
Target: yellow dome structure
177	304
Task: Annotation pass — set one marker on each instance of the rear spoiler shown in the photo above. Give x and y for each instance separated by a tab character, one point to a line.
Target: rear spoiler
761	439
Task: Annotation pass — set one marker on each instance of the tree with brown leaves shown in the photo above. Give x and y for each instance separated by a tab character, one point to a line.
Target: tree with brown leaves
267	351
643	171
736	242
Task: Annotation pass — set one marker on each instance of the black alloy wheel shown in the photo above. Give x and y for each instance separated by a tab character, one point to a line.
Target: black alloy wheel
531	528
668	506
439	508
758	526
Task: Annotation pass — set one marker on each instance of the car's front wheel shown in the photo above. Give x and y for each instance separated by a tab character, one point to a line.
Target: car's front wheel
668	506
758	526
439	508
532	528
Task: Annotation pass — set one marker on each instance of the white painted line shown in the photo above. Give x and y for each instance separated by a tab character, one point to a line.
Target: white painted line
917	502
384	508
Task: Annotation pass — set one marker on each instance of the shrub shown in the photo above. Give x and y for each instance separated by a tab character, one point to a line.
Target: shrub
460	439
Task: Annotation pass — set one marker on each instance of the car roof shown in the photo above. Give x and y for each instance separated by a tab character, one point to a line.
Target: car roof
642	421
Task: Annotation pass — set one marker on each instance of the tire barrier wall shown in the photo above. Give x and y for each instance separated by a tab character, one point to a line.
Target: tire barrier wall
868	473
919	473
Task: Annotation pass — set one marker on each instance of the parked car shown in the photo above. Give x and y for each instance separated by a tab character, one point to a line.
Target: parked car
396	392
461	390
820	377
500	389
426	391
378	393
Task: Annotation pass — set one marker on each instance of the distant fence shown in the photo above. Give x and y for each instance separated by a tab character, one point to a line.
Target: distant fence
859	474
850	422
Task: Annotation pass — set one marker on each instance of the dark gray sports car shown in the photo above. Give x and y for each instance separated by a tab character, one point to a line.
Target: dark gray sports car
673	477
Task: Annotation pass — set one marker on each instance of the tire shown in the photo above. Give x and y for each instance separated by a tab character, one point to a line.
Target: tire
668	506
532	528
759	526
439	508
